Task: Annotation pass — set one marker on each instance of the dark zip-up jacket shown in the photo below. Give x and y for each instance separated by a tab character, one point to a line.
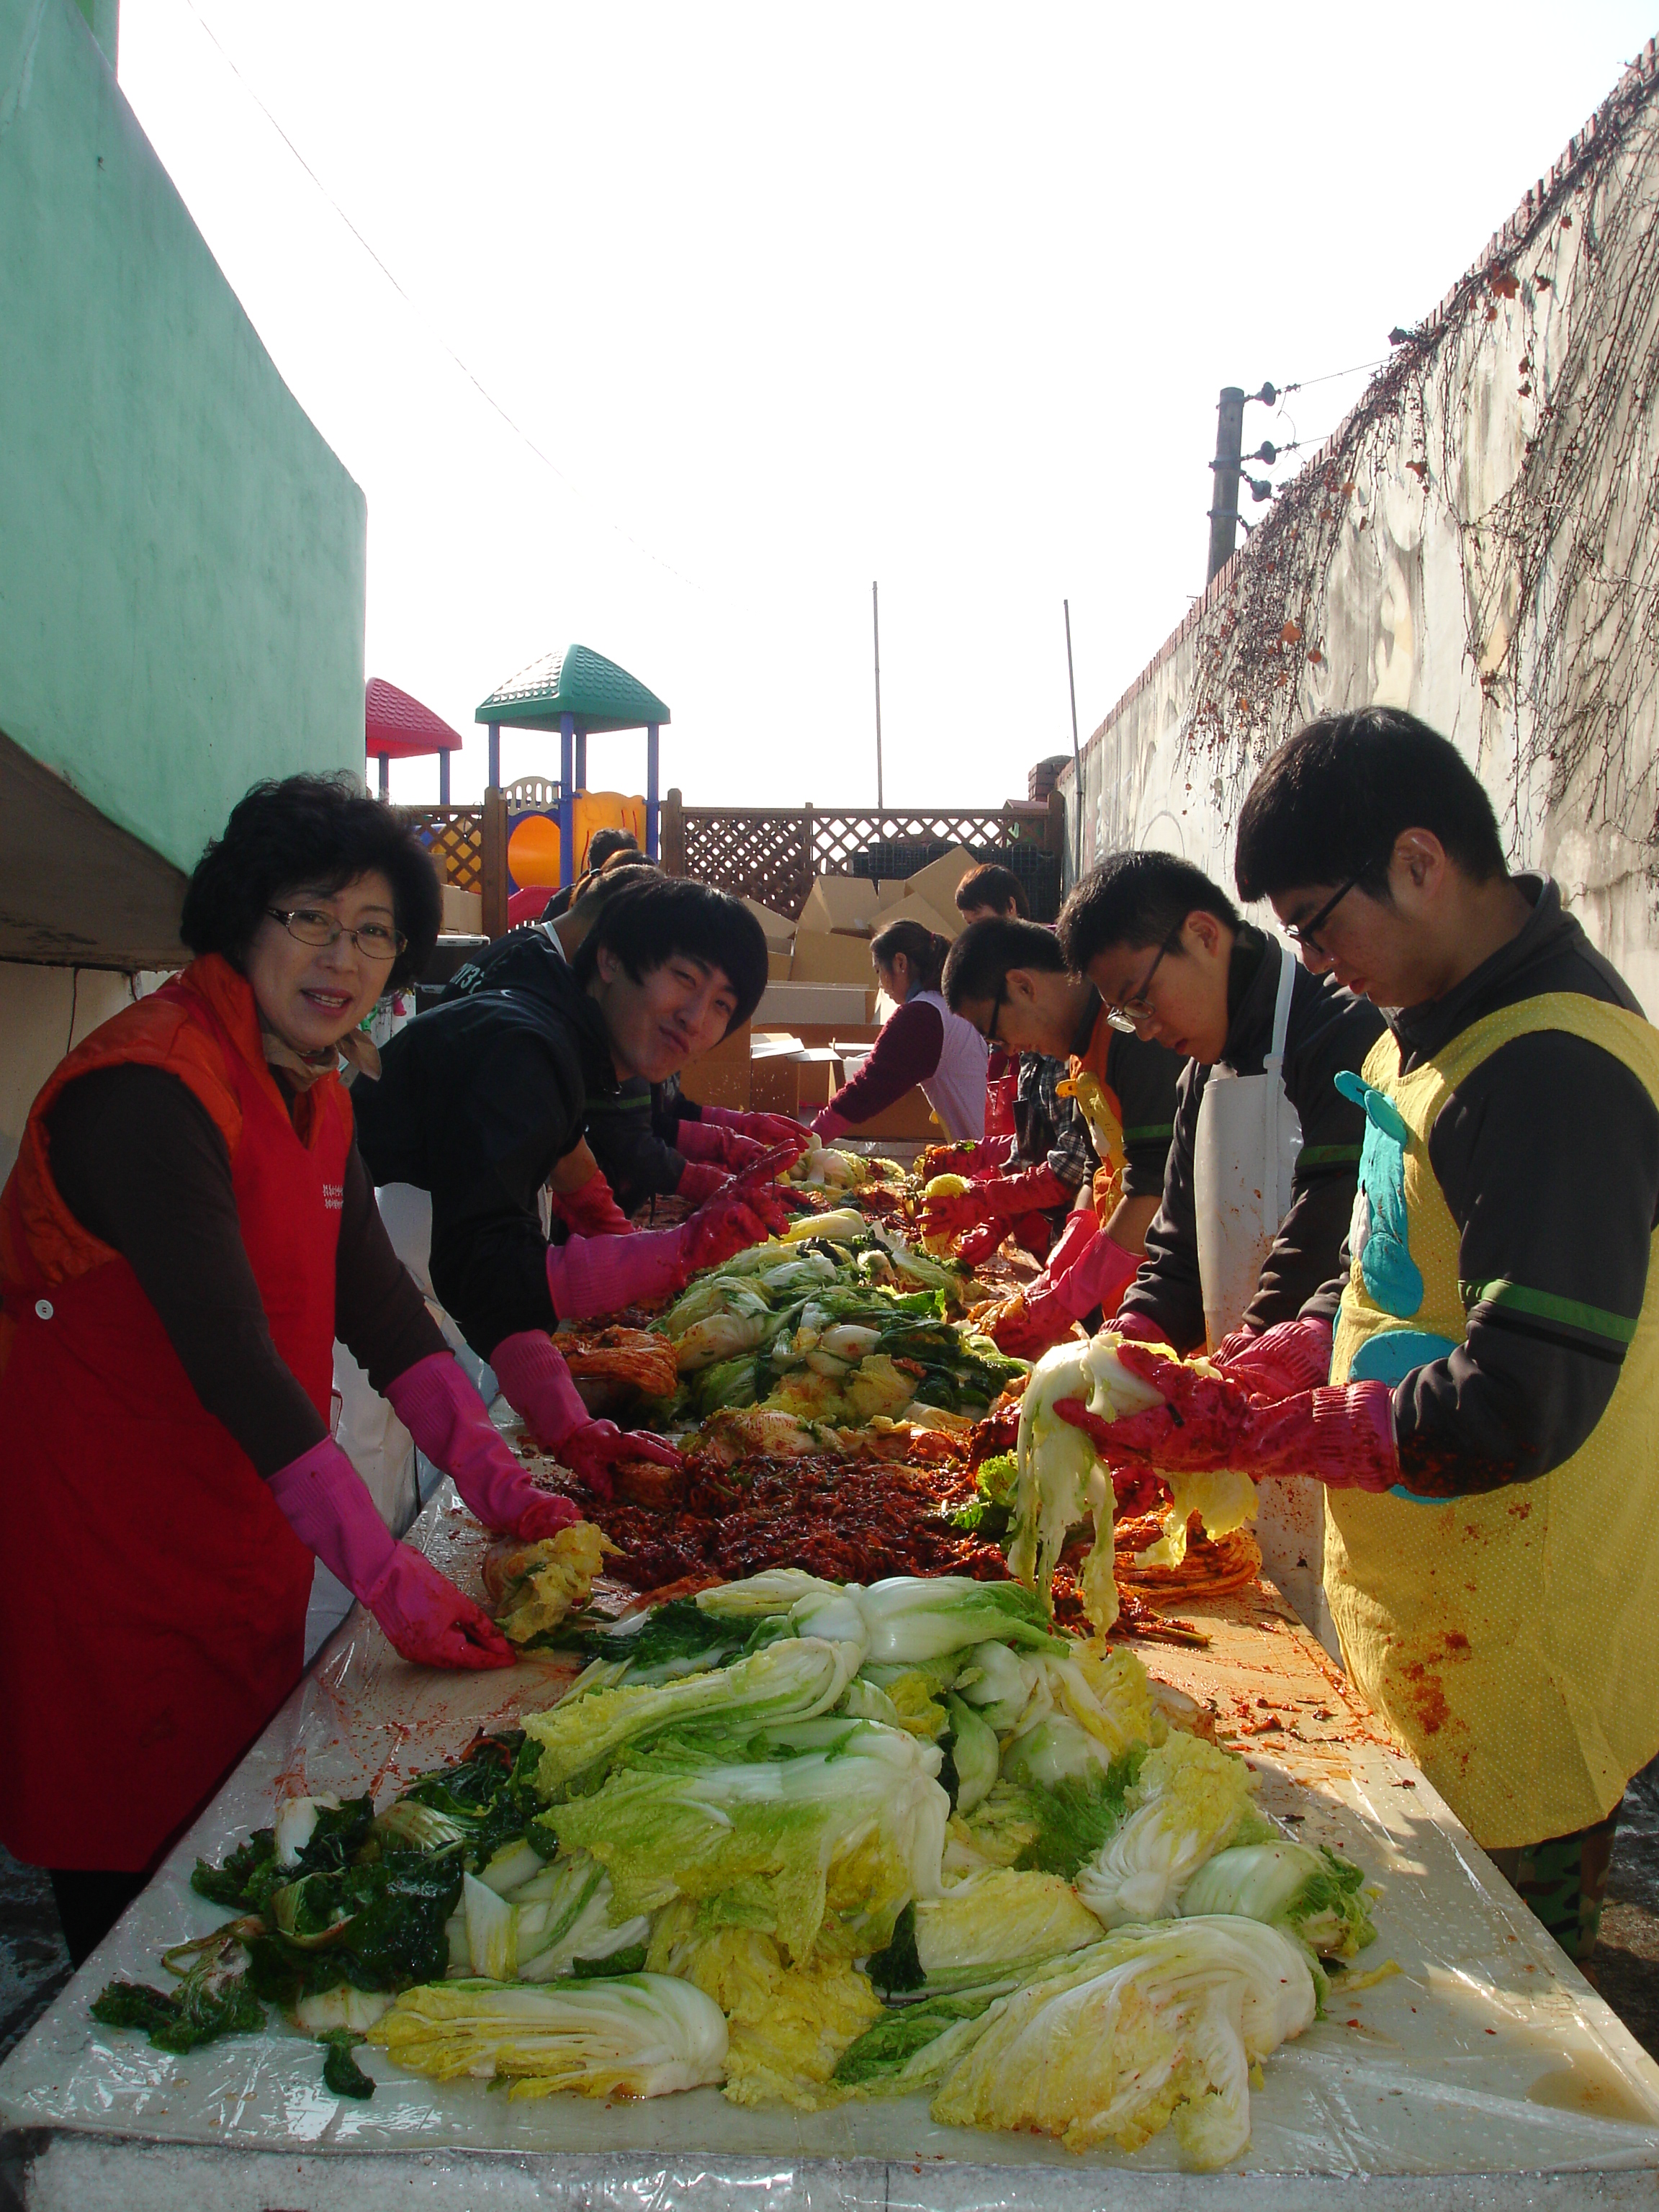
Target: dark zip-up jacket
1328	1030
478	1100
1548	1158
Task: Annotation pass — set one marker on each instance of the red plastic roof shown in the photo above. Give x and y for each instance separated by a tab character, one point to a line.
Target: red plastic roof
399	727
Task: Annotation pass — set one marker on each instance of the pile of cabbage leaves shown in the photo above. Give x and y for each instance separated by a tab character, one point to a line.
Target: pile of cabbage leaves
812	1841
837	1325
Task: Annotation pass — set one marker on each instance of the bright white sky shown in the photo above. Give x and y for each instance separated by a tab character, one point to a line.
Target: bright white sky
795	297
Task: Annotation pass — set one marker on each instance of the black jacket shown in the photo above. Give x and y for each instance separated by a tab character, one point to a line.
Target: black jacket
1328	1030
1548	1158
478	1100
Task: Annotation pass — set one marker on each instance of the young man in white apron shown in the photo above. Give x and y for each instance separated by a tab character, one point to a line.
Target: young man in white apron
1261	1171
1490	1445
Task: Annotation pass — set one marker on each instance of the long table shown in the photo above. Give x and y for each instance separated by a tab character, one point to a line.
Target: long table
1486	2072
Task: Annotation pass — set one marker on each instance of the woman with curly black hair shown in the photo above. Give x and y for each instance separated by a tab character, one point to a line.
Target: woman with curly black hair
188	1227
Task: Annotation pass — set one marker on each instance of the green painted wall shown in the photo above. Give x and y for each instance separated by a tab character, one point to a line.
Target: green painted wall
181	556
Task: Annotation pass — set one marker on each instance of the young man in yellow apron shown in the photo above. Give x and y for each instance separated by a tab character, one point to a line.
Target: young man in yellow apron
1261	1171
1009	979
1489	1443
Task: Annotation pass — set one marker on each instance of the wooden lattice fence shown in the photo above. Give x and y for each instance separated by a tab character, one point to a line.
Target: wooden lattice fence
773	854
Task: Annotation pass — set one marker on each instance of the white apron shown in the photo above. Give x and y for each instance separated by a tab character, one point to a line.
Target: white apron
955	1089
1244	1154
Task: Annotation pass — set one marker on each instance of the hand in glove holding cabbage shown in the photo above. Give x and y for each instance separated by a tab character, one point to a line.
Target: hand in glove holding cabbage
1209	1422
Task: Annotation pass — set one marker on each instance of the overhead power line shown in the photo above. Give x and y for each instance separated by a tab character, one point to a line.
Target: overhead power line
421	315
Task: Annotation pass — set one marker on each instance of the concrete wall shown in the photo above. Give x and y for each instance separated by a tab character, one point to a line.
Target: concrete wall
181	556
1478	543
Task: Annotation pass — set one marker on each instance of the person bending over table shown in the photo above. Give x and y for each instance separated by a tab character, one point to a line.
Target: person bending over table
1010	979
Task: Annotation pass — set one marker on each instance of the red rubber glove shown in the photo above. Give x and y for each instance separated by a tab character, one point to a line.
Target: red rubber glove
699	1180
1292	1355
1030	1190
592	1211
537	1385
953	1213
765	1128
591	1451
979	1243
727	1225
716	1147
1344	1437
451	1423
321	1497
1135	1490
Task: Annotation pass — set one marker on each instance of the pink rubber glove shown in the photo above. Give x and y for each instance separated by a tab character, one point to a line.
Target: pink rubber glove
451	1423
1087	1268
718	1148
588	1275
979	1243
321	1497
1292	1355
1029	1190
537	1385
828	1126
765	1128
1140	1328
700	1180
1344	1437
592	1211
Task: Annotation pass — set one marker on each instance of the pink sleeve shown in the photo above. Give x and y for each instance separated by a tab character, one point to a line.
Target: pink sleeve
906	1054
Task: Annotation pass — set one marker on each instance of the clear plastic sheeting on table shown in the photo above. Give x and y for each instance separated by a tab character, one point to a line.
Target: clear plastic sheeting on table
1486	2054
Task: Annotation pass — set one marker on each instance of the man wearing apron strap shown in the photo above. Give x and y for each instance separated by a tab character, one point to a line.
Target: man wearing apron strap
1261	1170
1490	1445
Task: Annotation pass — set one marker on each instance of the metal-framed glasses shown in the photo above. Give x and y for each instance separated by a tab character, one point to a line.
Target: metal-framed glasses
308	924
1134	1007
989	1031
1306	933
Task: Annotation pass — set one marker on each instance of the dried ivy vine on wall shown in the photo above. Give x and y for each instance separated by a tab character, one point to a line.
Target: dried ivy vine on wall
1561	573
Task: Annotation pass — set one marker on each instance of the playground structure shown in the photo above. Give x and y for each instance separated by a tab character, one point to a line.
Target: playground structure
399	727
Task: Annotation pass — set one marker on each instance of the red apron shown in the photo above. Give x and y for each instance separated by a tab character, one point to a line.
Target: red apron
153	1618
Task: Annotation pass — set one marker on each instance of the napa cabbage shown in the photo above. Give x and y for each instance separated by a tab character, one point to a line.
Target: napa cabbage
1316	1893
1188	1800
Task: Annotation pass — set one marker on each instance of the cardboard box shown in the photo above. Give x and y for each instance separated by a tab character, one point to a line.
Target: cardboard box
840	902
778	927
943	923
778	959
799	1082
936	883
720	1077
787	1005
909	1119
822	957
463	911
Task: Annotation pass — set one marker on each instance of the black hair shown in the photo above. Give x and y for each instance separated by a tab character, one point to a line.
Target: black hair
993	886
1138	899
320	830
604	842
983	956
646	923
922	948
1331	802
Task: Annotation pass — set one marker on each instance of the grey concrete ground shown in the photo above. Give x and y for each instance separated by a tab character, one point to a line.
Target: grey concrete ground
34	1966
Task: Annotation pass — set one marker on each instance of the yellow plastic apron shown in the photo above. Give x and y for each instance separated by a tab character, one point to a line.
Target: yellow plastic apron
1512	1639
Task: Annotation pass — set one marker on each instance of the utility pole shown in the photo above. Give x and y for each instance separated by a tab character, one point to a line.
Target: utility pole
1228	469
1077	754
875	616
1224	509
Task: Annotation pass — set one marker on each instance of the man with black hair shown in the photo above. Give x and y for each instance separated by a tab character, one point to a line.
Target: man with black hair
1009	979
1489	1440
991	892
479	1098
1261	1170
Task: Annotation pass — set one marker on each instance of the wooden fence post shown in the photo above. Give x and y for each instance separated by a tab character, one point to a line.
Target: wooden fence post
673	834
494	859
809	857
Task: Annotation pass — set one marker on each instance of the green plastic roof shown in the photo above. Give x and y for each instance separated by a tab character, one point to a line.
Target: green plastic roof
578	682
